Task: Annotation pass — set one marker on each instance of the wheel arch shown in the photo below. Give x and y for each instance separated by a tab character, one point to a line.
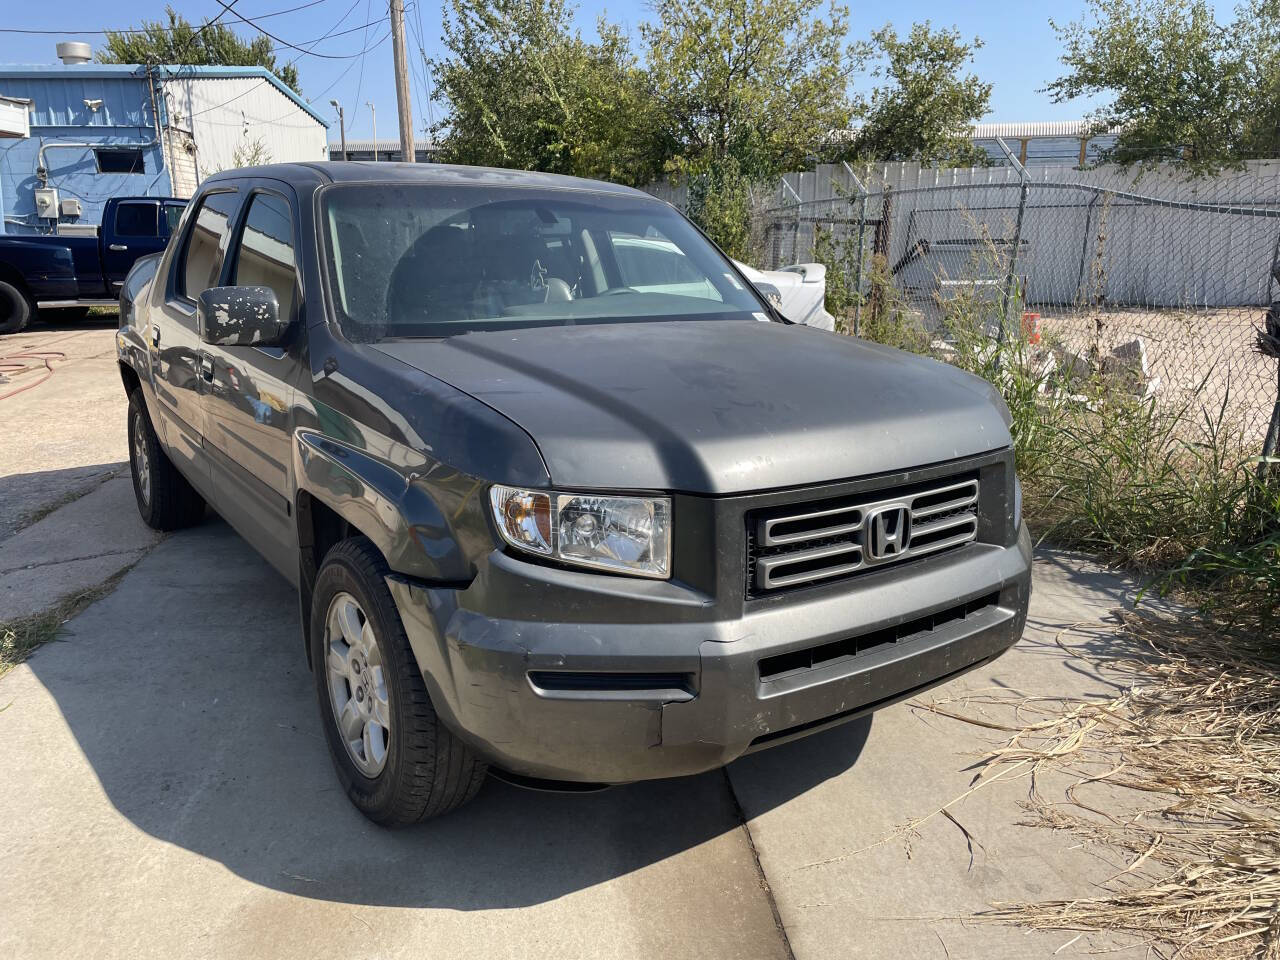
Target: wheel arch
12	275
129	377
343	492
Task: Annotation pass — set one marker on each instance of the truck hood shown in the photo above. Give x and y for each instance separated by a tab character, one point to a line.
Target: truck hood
715	407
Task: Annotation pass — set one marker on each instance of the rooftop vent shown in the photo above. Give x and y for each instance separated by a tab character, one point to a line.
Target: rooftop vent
74	51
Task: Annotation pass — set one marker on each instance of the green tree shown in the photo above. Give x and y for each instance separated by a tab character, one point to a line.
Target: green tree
522	88
1182	87
178	42
762	81
927	104
1257	33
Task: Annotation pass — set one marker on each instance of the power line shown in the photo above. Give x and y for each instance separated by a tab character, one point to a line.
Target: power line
311	44
135	30
422	66
360	83
418	84
200	32
244	93
293	46
341	33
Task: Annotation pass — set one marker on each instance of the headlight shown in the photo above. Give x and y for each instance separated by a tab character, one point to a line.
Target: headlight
1017	504
623	534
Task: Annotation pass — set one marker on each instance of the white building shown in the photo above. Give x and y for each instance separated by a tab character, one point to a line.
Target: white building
224	117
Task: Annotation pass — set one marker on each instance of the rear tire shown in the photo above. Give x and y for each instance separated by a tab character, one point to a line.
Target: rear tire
166	500
16	308
396	761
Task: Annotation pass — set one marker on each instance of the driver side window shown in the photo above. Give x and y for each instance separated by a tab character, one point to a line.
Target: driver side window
201	263
265	257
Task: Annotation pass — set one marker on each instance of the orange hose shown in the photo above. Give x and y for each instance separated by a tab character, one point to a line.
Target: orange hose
11	364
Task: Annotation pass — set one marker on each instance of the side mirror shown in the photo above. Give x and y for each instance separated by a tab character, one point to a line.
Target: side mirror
769	292
241	316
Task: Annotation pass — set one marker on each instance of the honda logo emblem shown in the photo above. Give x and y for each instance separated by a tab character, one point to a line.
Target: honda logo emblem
888	533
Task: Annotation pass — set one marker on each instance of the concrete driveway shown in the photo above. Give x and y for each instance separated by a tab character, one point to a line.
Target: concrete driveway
167	793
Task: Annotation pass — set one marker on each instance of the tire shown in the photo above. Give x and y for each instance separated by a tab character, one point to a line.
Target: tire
16	308
411	768
166	500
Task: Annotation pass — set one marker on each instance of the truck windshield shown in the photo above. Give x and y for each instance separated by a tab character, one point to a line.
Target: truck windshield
433	261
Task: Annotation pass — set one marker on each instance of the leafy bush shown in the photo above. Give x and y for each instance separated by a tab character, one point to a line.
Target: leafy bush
841	262
720	203
886	317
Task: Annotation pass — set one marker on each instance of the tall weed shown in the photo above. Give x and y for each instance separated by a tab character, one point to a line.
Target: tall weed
1166	487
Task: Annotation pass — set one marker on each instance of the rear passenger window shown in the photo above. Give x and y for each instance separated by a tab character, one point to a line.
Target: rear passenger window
136	220
172	214
202	259
265	256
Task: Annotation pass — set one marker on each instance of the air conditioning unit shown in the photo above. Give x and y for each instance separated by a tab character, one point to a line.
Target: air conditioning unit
47	203
15	119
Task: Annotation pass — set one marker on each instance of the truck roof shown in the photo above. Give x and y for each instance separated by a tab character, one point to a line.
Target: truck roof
366	171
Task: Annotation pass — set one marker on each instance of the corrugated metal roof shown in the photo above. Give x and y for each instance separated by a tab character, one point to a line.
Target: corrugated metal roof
1057	128
383	145
121	100
57	71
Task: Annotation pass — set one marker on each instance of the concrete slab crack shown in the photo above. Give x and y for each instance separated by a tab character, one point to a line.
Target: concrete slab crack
54	563
760	874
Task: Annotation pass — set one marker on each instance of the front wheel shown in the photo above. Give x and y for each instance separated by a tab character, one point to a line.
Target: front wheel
397	762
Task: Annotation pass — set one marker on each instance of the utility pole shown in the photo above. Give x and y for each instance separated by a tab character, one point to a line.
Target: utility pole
403	105
342	126
373	113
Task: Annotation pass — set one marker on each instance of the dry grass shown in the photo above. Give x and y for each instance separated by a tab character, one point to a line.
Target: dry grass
1196	731
18	638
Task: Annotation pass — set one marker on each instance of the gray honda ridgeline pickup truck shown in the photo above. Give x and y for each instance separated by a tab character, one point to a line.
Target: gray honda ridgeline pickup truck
562	495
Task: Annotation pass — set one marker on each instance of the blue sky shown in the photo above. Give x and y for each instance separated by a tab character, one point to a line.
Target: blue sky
1019	58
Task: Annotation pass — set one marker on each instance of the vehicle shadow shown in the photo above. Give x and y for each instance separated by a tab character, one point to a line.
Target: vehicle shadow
71	320
27	496
189	696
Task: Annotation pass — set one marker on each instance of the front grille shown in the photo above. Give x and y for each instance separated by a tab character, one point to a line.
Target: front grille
824	655
800	544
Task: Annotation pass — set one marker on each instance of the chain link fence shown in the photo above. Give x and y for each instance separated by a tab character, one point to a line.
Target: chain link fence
1160	283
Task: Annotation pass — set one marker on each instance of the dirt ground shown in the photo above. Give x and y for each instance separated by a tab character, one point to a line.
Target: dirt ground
1206	357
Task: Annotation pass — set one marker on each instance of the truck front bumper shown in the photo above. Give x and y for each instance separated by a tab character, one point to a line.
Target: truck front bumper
618	702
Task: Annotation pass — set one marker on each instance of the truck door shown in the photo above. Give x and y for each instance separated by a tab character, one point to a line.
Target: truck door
174	340
248	397
133	231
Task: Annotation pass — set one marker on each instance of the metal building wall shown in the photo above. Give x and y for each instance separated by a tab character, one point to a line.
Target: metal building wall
59	113
224	115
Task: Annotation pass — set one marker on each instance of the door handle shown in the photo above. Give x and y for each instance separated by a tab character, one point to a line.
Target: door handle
117	246
206	369
155	336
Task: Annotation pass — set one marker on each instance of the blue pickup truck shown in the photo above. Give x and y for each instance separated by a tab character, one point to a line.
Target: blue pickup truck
58	272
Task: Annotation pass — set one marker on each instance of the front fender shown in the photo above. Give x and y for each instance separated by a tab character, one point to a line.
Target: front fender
421	517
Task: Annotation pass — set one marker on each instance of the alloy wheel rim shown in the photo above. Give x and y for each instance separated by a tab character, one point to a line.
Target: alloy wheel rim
357	685
141	462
